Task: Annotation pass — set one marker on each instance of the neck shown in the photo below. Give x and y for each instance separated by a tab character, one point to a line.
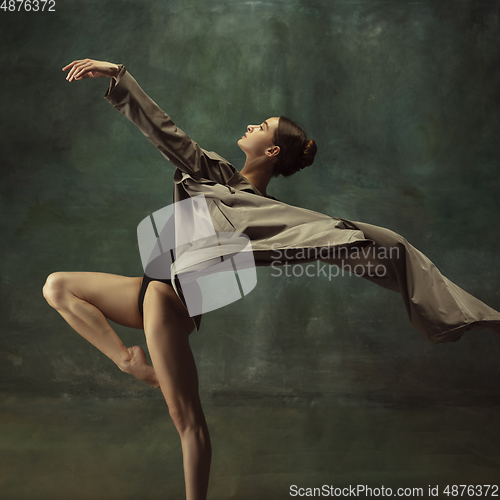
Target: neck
258	171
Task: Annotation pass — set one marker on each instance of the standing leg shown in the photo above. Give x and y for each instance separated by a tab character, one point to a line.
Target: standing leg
85	300
167	326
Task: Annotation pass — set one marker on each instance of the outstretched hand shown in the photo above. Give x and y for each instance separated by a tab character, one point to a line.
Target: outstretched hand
88	68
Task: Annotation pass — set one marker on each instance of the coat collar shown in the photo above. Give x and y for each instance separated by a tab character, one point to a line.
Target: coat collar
241	183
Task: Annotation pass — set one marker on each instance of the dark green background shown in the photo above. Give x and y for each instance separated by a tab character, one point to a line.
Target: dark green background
402	99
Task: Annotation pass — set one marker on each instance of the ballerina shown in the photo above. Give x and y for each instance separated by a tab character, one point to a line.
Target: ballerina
280	234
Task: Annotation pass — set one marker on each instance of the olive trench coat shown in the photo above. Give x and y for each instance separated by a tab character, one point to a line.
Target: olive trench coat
284	234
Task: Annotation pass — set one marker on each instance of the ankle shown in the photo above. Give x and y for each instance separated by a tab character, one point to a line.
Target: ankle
124	361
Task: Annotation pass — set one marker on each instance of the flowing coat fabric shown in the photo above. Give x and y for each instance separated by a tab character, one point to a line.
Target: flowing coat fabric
285	234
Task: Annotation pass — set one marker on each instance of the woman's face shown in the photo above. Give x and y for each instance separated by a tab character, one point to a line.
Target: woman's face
258	139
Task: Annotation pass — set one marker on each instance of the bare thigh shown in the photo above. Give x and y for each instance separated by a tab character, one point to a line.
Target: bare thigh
114	295
167	326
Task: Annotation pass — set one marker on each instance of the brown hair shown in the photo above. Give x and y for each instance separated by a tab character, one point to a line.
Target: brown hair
296	150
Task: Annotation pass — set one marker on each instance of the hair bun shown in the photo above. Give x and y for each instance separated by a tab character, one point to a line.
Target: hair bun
296	150
308	153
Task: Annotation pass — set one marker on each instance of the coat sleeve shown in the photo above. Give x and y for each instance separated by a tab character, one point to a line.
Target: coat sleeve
132	102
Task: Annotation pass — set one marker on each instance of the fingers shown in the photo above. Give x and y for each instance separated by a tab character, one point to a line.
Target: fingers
78	68
89	74
69	65
81	69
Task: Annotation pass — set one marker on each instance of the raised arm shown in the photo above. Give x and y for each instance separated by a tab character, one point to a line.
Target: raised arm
125	94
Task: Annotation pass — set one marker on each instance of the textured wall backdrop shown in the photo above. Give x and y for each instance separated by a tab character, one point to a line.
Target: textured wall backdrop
304	381
402	99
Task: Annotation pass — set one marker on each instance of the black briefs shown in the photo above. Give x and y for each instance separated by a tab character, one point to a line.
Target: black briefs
146	280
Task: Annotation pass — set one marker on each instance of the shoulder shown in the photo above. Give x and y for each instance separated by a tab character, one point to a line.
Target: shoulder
215	156
221	170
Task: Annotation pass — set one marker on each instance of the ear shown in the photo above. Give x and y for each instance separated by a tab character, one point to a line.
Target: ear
273	151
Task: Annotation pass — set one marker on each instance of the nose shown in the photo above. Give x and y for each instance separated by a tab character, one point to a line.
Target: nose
251	127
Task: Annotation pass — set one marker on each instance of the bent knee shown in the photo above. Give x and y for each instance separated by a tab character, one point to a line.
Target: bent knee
55	288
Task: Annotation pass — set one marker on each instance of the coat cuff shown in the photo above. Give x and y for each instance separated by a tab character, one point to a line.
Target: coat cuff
114	83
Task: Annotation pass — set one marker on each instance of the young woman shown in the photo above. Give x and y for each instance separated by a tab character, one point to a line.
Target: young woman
279	233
